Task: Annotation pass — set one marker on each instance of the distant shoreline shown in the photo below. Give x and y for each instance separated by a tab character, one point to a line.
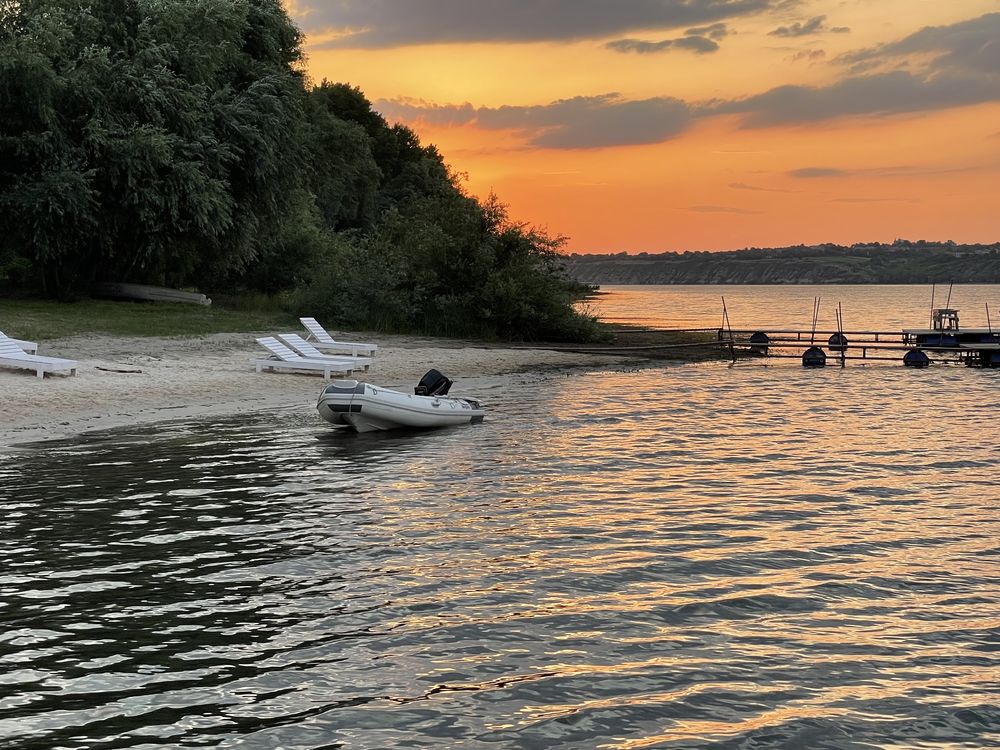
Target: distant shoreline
900	263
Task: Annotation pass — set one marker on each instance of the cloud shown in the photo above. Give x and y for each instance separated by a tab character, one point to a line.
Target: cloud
813	172
815	25
609	120
375	24
873	95
580	122
755	188
949	66
890	172
698	44
715	31
873	200
969	46
809	54
956	77
700	40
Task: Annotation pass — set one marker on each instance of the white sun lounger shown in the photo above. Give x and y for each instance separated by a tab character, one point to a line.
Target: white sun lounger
283	358
323	340
27	346
307	350
11	355
30	347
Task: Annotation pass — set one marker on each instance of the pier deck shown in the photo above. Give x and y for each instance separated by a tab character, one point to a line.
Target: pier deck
973	347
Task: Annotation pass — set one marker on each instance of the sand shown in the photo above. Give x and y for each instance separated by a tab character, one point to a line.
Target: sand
182	377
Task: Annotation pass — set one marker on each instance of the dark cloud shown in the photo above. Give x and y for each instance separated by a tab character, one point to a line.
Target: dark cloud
698	44
971	46
436	114
716	31
580	122
964	69
815	25
609	120
809	54
701	40
390	23
881	94
960	75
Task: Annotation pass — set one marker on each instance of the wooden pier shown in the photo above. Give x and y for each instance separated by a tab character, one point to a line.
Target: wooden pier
976	349
944	342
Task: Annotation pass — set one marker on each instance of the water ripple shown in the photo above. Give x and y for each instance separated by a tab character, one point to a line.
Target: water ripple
696	557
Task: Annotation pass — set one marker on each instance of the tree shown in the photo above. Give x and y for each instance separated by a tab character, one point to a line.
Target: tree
344	175
145	140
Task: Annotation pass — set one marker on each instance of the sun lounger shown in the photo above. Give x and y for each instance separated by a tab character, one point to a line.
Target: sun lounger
26	346
319	337
307	350
29	347
11	355
283	358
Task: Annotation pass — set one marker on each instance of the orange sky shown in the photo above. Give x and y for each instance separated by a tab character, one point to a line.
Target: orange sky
654	125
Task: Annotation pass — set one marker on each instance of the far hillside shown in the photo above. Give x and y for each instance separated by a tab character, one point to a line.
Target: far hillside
902	262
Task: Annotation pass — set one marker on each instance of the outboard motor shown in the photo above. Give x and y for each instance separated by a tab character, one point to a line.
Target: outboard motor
433	383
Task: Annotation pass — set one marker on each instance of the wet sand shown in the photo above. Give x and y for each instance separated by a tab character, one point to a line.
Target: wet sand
176	378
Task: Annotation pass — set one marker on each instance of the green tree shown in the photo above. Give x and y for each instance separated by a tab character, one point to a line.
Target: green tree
344	175
145	140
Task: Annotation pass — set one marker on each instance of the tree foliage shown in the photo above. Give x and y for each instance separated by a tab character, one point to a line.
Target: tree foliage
177	142
144	139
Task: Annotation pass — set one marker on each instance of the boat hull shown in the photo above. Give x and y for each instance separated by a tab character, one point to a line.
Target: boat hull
368	408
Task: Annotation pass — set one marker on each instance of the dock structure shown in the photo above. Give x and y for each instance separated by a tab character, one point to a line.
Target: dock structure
944	342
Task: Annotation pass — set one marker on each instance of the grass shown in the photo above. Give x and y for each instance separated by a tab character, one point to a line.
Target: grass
41	319
683	346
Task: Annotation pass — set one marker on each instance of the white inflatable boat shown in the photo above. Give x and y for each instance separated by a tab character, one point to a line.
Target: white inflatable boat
366	407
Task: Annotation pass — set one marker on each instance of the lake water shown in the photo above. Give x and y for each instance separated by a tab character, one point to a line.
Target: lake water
657	556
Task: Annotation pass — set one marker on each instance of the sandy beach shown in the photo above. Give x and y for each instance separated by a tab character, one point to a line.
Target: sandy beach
176	378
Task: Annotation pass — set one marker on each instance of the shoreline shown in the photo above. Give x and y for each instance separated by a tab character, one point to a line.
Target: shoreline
185	377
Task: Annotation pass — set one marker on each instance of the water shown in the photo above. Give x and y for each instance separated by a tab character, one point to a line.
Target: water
652	557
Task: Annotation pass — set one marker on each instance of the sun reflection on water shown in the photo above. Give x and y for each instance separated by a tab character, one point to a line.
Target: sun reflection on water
673	556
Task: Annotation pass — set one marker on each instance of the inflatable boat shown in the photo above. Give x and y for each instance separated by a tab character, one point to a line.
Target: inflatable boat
365	407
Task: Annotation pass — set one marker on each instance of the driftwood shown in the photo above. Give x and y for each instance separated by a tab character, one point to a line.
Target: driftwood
113	369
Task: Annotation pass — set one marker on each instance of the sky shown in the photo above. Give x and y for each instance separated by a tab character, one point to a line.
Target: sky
658	125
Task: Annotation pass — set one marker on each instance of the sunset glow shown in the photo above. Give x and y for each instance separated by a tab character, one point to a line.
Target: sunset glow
661	125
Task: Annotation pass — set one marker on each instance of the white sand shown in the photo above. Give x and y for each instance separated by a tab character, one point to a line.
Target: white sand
212	375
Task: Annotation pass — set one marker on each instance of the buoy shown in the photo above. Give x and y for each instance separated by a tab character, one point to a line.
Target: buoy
838	342
814	357
916	358
759	342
